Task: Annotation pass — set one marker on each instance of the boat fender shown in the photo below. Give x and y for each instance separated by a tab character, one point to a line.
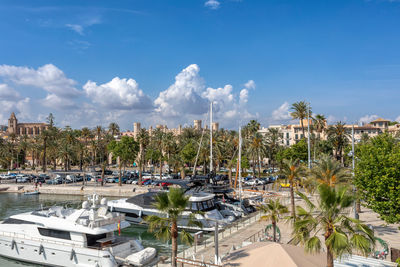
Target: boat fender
140	213
13	244
73	255
41	249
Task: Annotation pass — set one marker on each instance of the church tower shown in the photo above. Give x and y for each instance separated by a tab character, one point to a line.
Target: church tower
12	124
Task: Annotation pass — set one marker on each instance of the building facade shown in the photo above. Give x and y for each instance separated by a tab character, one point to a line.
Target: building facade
30	129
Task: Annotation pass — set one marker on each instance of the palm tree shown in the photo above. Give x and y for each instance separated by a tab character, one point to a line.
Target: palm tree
143	140
328	171
273	211
339	137
255	149
300	113
113	128
273	140
172	204
293	171
341	233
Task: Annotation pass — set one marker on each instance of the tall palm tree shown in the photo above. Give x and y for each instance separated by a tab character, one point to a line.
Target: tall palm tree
158	140
273	140
113	128
300	112
293	172
339	137
273	211
169	147
255	149
172	204
328	217
143	139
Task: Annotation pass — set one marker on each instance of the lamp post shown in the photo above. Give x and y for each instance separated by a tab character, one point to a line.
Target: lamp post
308	136
356	216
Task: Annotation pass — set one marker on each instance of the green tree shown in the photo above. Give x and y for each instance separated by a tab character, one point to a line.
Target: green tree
188	153
172	205
273	140
341	233
377	176
293	172
273	211
126	150
300	112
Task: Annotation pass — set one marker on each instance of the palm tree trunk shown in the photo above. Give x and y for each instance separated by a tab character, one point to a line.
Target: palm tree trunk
292	201
329	257
44	154
161	165
174	236
102	174
302	128
274	229
120	173
230	175
259	166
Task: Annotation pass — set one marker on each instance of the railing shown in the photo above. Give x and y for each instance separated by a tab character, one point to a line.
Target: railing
231	229
195	262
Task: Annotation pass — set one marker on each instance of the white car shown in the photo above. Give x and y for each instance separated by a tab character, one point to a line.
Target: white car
253	182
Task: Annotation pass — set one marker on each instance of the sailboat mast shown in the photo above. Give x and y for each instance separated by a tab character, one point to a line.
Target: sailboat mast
240	165
211	134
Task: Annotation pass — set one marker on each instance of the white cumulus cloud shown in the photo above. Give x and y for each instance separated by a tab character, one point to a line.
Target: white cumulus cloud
250	84
212	4
183	96
368	118
8	93
244	96
47	77
281	113
118	94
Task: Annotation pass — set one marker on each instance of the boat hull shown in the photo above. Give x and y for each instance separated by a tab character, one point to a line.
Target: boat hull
53	254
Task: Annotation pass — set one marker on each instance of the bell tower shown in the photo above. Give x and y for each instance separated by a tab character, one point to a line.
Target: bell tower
12	124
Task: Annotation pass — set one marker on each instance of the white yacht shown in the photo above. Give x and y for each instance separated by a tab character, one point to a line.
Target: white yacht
138	207
72	237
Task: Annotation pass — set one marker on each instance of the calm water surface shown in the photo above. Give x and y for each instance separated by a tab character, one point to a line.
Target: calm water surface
12	203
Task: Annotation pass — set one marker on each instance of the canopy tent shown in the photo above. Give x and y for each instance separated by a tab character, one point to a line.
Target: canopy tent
274	254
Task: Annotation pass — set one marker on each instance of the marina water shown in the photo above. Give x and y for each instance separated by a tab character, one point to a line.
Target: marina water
13	203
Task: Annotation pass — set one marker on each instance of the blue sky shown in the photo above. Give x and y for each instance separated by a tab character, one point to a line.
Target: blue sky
93	62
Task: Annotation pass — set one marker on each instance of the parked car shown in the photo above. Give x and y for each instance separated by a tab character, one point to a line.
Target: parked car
45	176
147	182
40	180
54	181
23	179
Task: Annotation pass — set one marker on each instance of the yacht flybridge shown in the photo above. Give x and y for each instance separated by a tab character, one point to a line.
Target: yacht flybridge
72	237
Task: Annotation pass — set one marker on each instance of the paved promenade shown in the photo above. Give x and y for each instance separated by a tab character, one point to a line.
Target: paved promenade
109	190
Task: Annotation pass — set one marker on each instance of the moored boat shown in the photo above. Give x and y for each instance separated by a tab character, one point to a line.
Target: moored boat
60	236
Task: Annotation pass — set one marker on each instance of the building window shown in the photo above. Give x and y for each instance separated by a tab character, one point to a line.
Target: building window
287	135
296	136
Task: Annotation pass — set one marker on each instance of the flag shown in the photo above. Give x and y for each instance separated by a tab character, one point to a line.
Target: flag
119	227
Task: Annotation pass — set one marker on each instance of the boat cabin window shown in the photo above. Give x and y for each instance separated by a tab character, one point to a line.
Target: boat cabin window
203	205
92	239
55	233
16	221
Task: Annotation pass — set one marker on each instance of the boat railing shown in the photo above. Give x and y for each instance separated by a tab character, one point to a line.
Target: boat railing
27	237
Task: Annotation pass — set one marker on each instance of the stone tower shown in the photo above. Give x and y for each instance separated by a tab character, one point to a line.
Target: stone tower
215	126
12	124
136	127
197	124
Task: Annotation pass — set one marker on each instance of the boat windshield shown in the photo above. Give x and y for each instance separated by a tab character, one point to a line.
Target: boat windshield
203	205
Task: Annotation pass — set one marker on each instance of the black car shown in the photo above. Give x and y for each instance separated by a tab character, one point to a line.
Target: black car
40	180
